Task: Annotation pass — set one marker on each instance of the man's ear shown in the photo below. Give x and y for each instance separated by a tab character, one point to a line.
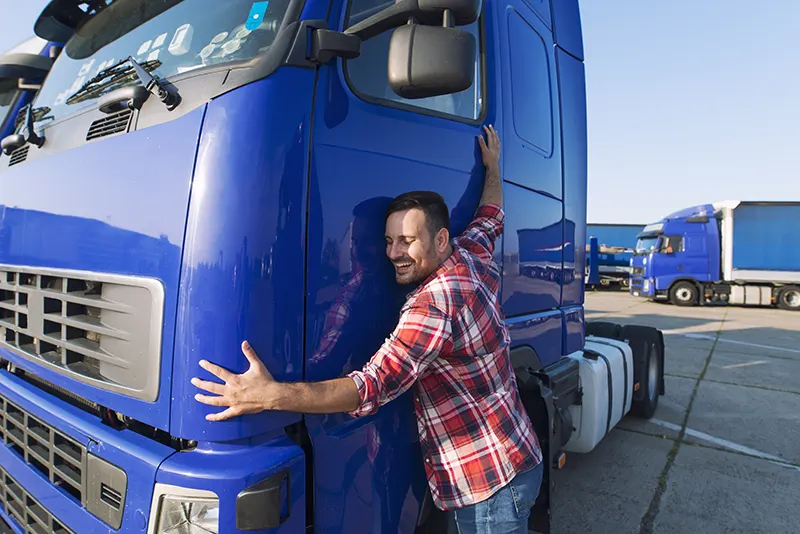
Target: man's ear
442	240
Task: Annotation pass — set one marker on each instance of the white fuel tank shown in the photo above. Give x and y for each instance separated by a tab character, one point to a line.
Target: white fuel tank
606	381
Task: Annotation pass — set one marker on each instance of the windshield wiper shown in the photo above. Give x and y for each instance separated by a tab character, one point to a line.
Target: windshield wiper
122	72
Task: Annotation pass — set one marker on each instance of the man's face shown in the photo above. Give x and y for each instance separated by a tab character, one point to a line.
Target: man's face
410	246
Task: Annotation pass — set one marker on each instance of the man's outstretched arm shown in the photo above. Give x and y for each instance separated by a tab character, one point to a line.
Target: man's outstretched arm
490	150
256	390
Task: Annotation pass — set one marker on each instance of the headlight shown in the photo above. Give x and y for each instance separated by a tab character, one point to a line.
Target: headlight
178	510
646	285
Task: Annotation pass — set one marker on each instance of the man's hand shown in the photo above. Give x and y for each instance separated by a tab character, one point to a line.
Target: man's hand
242	394
490	148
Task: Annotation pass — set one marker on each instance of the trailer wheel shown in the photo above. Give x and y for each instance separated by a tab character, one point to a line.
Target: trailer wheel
683	294
648	360
789	298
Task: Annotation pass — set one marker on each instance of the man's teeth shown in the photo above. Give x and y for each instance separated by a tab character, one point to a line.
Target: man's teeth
403	265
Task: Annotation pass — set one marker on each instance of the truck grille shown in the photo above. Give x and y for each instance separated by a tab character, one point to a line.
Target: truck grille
59	458
103	330
637	271
31	516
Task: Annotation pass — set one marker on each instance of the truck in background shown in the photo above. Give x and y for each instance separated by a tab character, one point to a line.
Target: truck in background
194	173
732	252
613	253
22	70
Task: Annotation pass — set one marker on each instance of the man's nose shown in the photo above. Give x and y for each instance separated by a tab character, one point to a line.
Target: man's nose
393	251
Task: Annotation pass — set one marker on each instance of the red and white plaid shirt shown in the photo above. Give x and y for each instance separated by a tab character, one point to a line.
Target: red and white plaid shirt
452	345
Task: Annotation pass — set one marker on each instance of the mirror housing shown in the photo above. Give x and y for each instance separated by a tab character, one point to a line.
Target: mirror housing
25	66
427	61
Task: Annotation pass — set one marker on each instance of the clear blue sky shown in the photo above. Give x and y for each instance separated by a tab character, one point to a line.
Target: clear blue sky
690	101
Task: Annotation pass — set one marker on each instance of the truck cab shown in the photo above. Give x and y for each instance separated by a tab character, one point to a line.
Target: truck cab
204	172
684	246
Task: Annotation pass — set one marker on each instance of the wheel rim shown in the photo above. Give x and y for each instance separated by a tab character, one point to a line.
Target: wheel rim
652	374
792	299
684	294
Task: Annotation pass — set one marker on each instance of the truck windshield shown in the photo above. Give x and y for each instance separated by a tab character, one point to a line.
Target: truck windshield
167	37
646	245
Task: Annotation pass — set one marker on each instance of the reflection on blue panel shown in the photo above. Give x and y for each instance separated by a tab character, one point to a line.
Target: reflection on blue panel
532	252
573	329
542	332
242	275
573	102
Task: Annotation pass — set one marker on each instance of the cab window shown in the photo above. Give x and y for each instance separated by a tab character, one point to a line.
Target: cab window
368	77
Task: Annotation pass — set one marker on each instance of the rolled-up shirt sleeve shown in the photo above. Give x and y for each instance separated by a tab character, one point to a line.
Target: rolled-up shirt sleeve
484	229
423	332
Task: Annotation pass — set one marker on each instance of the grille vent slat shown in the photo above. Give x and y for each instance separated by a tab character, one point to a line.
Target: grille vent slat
27	512
19	155
100	329
113	124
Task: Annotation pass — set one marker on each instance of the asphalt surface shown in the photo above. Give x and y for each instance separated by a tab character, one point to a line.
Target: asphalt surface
721	454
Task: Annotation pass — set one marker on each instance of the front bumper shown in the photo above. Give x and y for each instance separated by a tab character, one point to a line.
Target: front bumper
34	498
642	287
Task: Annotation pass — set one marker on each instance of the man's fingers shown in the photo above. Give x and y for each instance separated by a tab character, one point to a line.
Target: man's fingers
221	416
211	387
482	142
250	354
211	401
216	370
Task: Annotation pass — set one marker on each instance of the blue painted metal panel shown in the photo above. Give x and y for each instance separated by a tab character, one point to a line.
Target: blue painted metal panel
532	252
574	329
543	332
542	10
765	237
530	101
568	31
572	90
127	217
243	269
138	456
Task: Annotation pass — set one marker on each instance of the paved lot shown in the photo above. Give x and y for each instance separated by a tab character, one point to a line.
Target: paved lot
722	454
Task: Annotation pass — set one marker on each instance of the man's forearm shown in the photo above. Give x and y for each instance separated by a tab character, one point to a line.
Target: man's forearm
492	187
331	396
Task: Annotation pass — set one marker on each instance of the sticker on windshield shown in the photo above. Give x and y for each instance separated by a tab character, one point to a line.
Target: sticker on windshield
181	41
86	67
219	37
160	40
206	52
153	55
231	46
256	16
144	48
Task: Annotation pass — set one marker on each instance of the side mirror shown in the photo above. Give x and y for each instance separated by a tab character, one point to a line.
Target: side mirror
427	61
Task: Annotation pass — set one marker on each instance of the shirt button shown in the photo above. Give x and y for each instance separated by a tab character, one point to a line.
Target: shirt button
427	460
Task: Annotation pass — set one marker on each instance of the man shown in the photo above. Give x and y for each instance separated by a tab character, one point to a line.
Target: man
482	457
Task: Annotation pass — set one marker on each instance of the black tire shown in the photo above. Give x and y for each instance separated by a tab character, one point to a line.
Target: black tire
683	294
648	357
789	298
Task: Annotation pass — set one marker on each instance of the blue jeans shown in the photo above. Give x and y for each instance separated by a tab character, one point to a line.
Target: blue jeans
505	512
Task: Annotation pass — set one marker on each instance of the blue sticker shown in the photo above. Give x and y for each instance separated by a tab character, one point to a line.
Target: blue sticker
257	13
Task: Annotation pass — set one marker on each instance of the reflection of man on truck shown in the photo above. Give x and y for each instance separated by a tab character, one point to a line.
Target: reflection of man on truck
481	453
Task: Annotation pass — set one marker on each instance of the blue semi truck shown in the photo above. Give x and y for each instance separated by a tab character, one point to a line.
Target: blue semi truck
615	244
730	252
194	173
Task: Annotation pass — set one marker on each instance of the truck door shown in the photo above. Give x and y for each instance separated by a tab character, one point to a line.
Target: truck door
368	146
